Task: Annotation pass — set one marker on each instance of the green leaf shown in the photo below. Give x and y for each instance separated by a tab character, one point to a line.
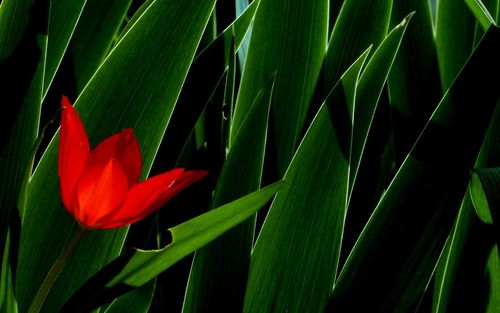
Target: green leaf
23	43
478	196
63	18
242	52
136	301
454	38
493	277
413	83
493	6
137	267
7	295
484	190
370	87
372	156
451	257
106	106
204	76
94	35
280	28
219	271
360	24
394	257
465	242
481	13
295	258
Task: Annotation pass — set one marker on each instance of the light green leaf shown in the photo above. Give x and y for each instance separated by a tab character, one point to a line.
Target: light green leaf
395	256
481	13
219	272
468	233
370	87
151	71
478	196
493	278
7	296
205	74
63	18
295	258
413	83
359	25
454	38
280	28
94	35
23	44
137	267
136	301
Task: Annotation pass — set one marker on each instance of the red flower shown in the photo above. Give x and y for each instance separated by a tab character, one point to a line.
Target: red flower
100	188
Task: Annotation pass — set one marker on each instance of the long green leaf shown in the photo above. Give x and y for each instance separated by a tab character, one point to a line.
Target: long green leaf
289	38
137	267
454	38
367	181
360	24
23	43
370	87
7	297
94	35
63	18
413	83
484	191
199	87
219	272
395	255
136	301
481	13
464	245
295	259
479	198
151	71
242	53
493	276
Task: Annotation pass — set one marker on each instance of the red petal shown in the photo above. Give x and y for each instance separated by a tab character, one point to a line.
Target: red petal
74	150
101	190
125	149
149	195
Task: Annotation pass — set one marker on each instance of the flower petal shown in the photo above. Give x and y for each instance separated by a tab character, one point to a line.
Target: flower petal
74	150
125	149
149	195
101	190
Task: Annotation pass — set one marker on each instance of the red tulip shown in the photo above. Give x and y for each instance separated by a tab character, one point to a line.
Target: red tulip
100	188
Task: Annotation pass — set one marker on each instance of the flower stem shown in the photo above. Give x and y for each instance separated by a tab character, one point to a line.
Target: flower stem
54	272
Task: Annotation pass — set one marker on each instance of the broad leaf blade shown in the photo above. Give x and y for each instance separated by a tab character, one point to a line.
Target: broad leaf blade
454	38
413	83
200	87
94	36
481	13
63	18
466	243
414	216
137	267
479	198
360	24
278	31
370	87
485	187
295	259
219	272
493	276
136	301
106	106
23	46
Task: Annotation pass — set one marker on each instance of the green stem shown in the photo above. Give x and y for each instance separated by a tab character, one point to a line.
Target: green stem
54	272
